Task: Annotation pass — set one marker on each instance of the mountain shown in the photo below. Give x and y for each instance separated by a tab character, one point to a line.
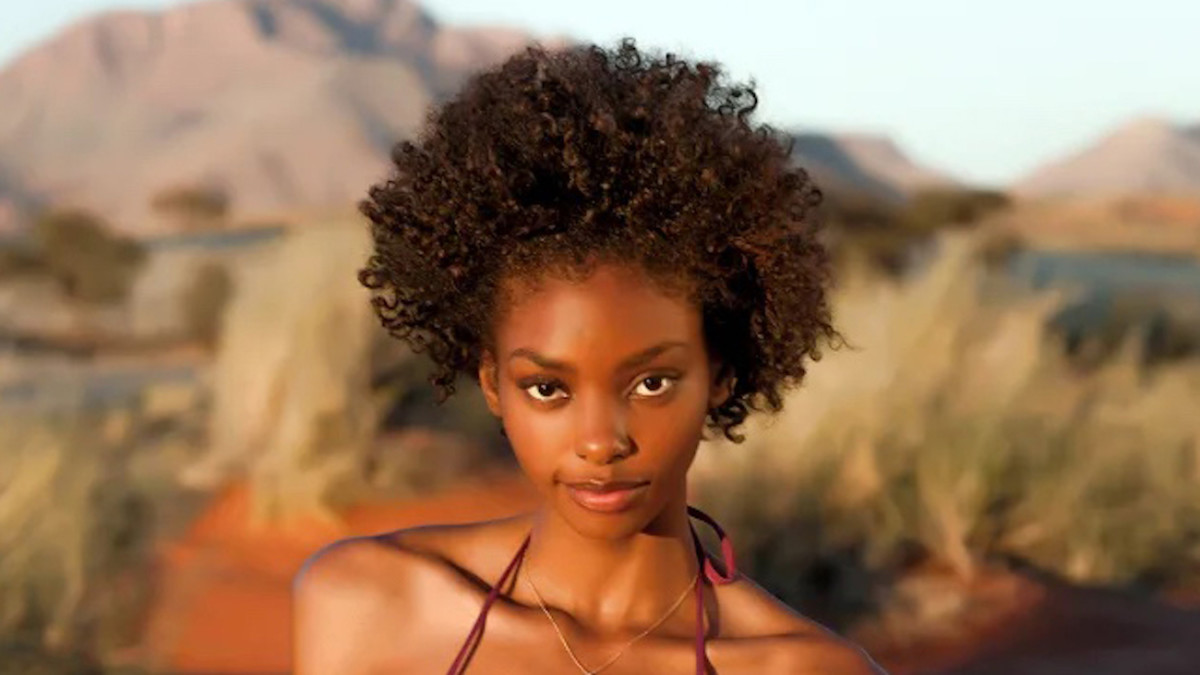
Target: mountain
864	164
1146	155
881	157
281	103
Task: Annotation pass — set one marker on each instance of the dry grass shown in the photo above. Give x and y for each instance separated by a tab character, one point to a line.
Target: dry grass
294	407
955	432
291	381
82	499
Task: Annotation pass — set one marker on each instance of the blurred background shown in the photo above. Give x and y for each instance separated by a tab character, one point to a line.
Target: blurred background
1002	476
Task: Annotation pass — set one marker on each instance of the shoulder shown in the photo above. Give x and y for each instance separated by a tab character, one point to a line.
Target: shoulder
389	567
820	651
343	585
783	640
390	563
352	584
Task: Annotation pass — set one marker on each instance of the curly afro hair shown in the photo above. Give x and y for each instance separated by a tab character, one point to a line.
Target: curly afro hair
558	159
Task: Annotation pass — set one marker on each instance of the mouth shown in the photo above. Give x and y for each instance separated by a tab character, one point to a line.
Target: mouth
606	497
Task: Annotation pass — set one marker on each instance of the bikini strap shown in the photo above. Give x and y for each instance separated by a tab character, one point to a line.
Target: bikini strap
710	571
494	593
712	574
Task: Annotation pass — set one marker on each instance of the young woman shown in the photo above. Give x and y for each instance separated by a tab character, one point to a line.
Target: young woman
607	246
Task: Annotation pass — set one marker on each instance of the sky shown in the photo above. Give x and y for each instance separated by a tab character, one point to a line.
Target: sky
984	91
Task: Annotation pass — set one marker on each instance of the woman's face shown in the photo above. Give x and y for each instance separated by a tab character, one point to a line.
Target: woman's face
602	386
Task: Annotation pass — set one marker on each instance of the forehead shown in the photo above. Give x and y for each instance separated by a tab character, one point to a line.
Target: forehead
613	311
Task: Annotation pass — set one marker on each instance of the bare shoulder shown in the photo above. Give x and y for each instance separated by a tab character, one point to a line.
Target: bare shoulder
393	564
329	594
361	570
345	585
781	640
821	651
347	591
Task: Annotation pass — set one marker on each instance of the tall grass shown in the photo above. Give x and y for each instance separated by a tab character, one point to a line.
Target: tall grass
82	499
954	433
303	381
292	408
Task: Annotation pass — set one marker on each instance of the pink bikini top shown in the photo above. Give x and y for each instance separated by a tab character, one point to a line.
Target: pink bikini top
711	574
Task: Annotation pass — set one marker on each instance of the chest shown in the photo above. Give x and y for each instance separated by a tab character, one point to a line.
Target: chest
523	641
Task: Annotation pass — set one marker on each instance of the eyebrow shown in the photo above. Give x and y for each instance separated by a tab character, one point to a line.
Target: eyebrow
631	361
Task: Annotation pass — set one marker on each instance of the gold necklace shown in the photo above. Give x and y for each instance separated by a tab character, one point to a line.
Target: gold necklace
570	652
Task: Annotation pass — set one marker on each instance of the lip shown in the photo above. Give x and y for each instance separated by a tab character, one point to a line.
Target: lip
611	497
601	485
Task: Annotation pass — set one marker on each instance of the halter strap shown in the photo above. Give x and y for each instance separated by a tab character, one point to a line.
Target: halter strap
494	593
712	574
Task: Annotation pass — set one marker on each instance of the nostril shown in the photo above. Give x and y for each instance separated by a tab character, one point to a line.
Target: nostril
606	451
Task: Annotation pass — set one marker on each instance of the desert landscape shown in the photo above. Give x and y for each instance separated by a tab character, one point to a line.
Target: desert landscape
1002	476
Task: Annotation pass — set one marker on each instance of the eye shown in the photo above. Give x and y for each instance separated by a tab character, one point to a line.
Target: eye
659	384
544	391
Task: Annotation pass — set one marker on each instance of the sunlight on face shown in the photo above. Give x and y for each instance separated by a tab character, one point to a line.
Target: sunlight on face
606	379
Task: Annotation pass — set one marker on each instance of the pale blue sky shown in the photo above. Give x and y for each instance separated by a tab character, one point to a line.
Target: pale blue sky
985	91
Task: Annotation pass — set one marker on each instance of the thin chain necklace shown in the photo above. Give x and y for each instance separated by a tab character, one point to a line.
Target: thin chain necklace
562	638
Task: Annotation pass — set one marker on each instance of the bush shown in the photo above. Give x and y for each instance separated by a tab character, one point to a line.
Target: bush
935	209
205	301
17	260
193	207
76	529
89	262
885	234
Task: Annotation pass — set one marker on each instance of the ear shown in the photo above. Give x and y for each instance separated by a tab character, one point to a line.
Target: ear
489	382
721	385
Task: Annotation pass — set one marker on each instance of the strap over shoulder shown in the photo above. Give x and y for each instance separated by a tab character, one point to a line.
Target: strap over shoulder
727	558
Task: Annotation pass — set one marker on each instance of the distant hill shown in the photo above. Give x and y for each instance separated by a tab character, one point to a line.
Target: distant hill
881	157
1146	155
863	164
284	104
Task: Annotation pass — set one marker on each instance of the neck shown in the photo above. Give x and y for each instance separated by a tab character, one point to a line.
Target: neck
615	585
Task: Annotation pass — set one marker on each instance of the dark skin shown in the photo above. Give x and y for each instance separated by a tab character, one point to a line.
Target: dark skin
608	377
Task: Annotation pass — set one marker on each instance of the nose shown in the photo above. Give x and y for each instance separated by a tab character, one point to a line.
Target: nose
603	436
604	451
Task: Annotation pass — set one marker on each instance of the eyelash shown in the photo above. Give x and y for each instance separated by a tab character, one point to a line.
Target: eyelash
670	380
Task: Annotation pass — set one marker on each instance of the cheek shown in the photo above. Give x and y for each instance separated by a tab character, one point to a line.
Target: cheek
538	438
671	431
